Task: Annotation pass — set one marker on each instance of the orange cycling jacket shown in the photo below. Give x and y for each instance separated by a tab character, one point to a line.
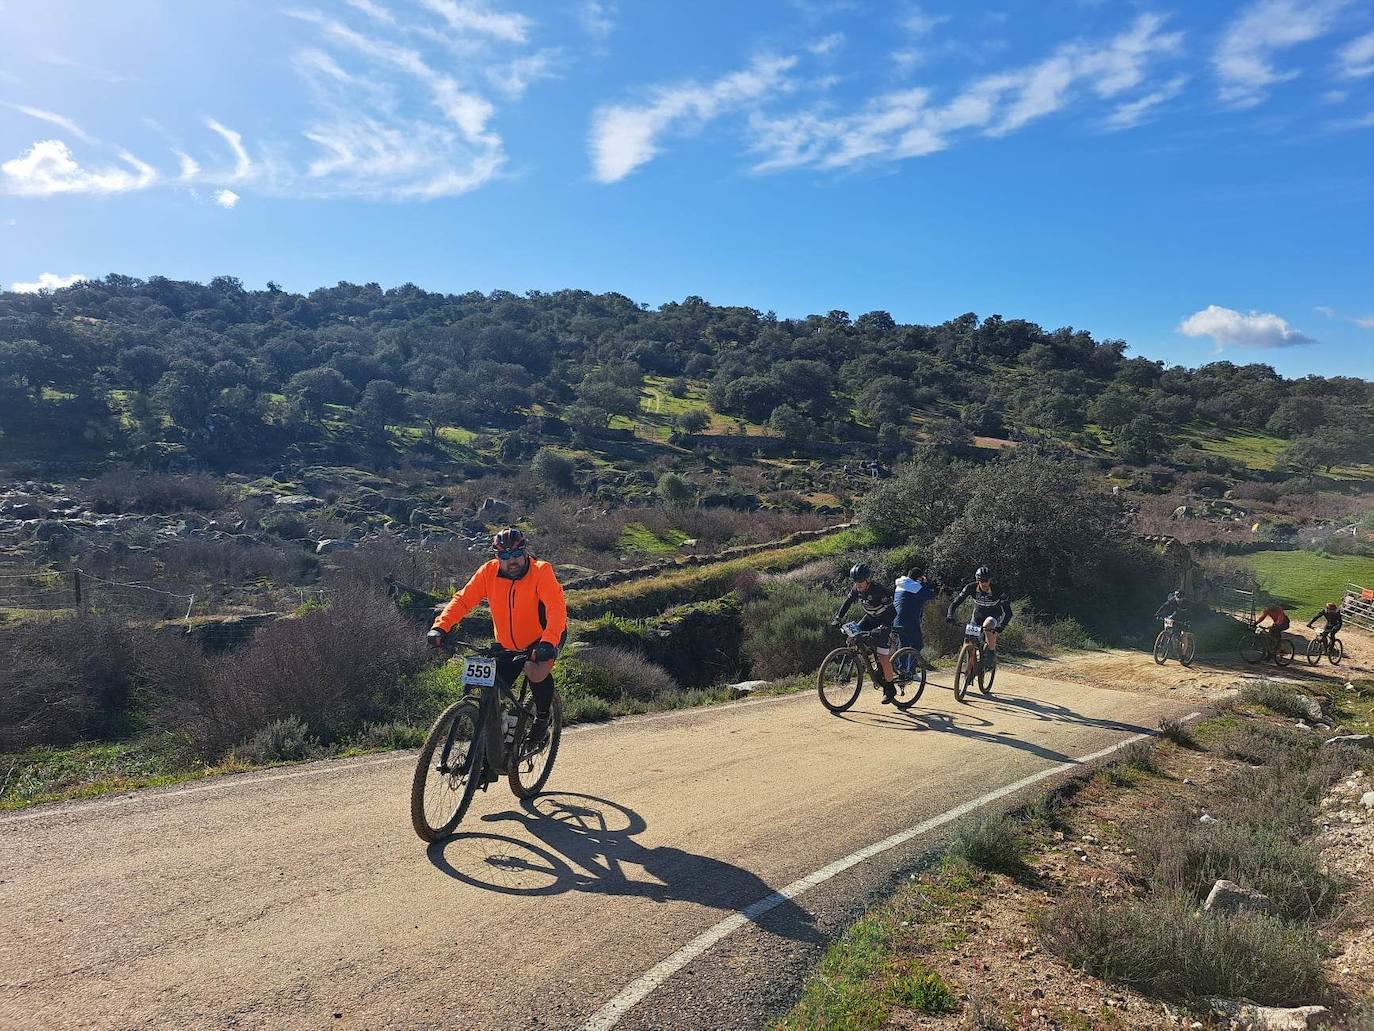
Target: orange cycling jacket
523	612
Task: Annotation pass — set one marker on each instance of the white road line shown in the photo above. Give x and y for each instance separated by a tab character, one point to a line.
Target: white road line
609	1015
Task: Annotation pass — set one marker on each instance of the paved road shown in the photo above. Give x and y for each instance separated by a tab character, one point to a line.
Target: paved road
302	898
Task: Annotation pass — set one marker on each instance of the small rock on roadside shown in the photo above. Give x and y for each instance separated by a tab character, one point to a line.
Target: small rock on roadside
1230	897
1247	1015
1367	800
747	687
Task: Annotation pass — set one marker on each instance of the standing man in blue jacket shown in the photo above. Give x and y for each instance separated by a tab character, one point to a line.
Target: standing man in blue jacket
910	600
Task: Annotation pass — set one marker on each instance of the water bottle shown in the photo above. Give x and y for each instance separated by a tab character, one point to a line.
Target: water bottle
508	728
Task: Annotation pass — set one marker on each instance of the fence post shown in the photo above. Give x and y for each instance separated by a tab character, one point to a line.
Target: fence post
76	586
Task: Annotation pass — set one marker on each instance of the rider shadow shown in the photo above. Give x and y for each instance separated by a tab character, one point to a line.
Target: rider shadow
586	844
1051	712
963	724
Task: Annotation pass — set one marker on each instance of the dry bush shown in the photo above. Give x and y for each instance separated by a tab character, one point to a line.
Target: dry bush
67	678
334	667
124	489
521	490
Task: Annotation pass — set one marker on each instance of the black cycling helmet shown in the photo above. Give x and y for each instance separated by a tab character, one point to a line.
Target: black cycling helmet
860	572
509	539
982	573
1176	596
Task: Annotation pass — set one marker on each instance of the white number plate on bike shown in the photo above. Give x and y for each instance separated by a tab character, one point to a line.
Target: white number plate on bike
1169	621
852	629
479	671
973	629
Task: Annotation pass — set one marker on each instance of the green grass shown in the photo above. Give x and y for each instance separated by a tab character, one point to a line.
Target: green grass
91	770
638	537
1307	580
1253	450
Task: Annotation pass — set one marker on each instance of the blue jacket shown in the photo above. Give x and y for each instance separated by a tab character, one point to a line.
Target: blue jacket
911	599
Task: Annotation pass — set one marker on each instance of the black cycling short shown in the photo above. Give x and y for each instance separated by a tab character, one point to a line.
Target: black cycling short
870	624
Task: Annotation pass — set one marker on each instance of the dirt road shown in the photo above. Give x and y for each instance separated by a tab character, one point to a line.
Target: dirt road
301	897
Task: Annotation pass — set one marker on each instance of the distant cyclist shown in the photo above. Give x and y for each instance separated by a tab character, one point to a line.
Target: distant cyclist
1278	623
991	606
528	614
1334	620
879	612
1177	607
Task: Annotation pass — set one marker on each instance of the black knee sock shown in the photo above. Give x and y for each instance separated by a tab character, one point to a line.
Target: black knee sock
543	695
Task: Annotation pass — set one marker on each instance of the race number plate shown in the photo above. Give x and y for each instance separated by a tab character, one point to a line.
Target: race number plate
852	629
973	629
1168	621
479	671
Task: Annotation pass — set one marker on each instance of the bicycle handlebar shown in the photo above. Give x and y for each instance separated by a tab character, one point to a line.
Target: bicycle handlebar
452	644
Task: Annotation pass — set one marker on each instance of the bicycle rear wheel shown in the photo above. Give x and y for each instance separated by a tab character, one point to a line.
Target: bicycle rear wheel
1187	648
840	679
447	771
910	668
1162	644
1336	652
1252	649
1284	653
963	671
1316	648
530	767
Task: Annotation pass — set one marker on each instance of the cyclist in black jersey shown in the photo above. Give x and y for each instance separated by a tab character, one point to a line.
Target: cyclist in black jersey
879	612
1177	606
991	606
1334	620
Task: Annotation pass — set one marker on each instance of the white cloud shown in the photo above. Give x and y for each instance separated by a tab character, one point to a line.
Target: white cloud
516	76
597	17
827	44
907	58
910	123
1365	323
243	165
60	121
624	137
374	11
919	23
46	281
1244	60
1133	112
1335	96
1357	122
1322	309
47	168
466	17
226	198
1228	327
1357	57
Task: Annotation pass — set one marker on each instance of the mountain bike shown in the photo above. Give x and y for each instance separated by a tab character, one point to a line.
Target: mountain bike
478	739
1176	641
1259	646
974	661
1328	644
841	676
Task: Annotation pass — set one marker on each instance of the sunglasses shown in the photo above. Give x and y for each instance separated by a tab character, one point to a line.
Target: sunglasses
507	555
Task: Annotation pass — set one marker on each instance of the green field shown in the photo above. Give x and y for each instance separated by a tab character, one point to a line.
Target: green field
1308	580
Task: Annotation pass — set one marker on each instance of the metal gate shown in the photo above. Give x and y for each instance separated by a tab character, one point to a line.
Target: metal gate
1358	606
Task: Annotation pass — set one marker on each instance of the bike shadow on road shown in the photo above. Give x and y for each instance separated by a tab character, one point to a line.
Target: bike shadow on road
578	842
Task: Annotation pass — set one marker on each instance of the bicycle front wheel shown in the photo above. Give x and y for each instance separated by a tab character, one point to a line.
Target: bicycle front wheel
963	671
531	763
1316	648
1252	649
1187	648
447	771
840	679
910	668
1162	643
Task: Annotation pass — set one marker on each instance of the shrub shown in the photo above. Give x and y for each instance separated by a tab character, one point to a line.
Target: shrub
555	471
586	710
990	841
285	740
694	420
674	491
628	675
788	631
1163	947
125	489
390	736
1285	701
290	526
1179	733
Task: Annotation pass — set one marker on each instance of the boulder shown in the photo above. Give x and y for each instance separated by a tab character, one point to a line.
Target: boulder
1353	740
298	502
1230	897
25	510
49	529
1367	800
493	507
1245	1014
746	687
328	547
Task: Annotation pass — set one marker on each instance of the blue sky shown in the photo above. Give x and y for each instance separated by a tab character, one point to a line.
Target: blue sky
1192	178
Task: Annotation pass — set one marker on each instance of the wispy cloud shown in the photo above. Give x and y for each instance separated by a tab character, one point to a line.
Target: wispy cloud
597	17
912	122
1134	112
920	23
626	136
1357	57
46	281
1228	327
1245	59
467	17
48	168
827	44
1364	322
243	164
60	121
375	11
226	198
515	77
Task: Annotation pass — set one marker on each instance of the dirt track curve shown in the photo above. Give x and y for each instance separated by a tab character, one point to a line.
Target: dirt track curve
301	897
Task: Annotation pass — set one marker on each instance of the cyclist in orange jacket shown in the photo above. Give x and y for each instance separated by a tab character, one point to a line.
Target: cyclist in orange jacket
528	614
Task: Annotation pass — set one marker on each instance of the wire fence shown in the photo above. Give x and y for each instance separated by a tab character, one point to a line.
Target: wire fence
79	591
